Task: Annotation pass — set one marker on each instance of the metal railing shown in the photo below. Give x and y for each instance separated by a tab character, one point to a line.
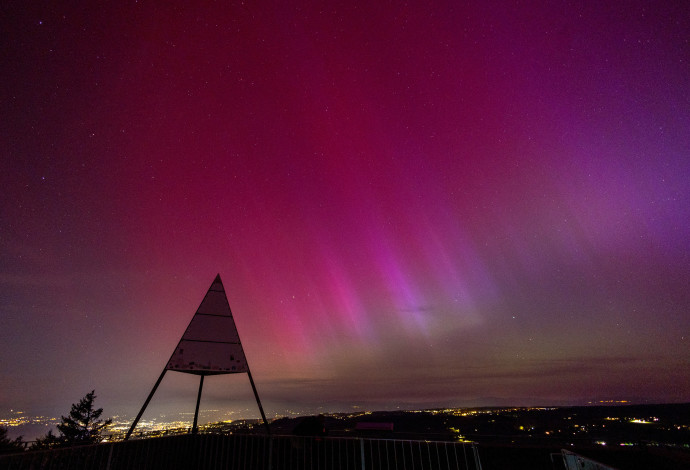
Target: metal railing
573	461
238	452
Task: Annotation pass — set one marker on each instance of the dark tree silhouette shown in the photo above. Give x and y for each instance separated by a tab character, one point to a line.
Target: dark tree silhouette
82	426
47	441
311	426
9	446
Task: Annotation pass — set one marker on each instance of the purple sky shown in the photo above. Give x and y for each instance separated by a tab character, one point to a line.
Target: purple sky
419	204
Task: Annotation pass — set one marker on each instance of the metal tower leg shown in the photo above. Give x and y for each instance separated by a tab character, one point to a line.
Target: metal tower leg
146	403
198	400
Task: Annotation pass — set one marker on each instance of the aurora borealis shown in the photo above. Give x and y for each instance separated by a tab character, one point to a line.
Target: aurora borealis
410	204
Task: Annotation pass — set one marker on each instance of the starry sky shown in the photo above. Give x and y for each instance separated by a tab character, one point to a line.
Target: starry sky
411	204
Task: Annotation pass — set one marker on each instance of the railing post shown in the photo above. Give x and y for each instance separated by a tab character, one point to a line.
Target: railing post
270	452
361	450
478	463
110	455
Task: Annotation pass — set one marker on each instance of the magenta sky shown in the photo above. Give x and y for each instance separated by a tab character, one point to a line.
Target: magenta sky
417	204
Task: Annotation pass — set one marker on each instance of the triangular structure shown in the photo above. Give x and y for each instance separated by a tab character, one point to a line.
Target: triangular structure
209	346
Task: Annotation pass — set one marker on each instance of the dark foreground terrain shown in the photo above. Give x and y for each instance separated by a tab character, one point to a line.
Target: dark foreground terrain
624	437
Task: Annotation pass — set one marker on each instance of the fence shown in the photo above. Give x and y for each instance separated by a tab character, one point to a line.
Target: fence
239	452
573	461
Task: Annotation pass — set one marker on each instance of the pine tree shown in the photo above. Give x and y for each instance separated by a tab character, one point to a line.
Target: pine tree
9	446
47	441
82	426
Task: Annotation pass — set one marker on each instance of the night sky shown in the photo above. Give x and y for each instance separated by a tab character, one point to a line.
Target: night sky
413	204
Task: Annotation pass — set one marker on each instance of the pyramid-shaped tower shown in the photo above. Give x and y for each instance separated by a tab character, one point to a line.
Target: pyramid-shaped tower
209	346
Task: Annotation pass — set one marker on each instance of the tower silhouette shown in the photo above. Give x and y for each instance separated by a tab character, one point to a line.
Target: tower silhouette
209	346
